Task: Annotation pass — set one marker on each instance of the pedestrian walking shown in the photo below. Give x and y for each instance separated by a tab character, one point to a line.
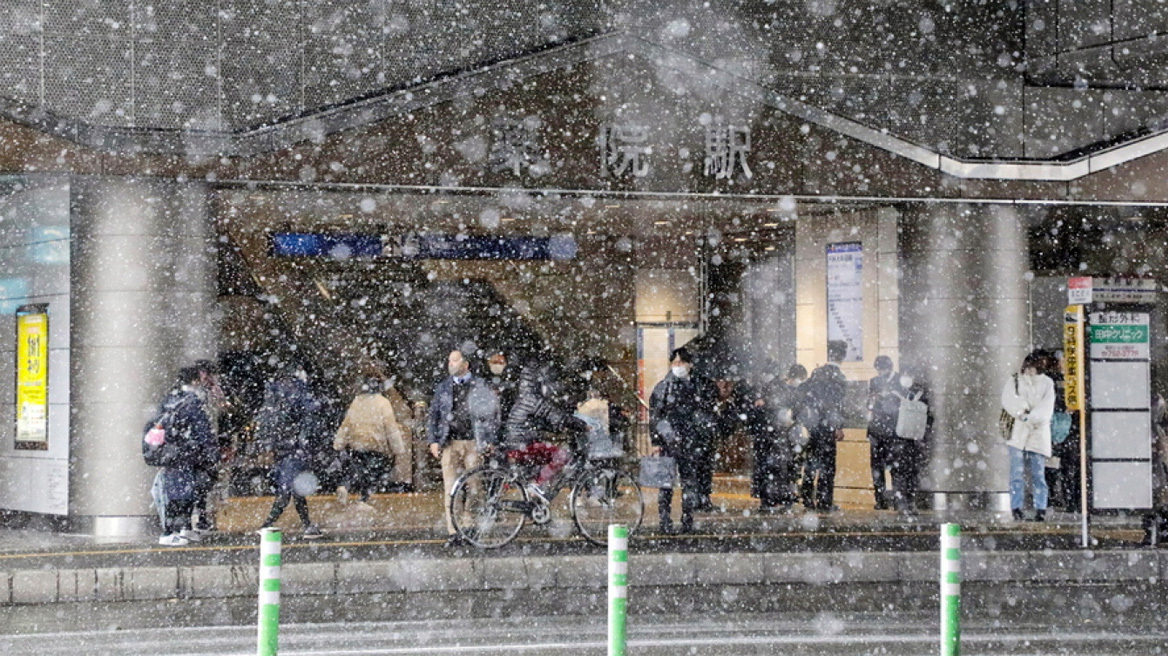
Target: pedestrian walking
284	427
1028	398
681	422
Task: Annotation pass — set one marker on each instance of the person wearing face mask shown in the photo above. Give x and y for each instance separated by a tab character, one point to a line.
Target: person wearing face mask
883	405
682	425
1029	397
905	455
463	421
504	382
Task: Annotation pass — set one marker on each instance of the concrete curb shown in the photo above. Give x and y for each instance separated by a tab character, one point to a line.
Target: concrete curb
464	575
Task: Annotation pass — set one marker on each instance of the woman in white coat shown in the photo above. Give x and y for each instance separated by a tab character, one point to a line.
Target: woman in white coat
1029	397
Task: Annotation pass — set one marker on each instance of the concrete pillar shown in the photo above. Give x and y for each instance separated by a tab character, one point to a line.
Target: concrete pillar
963	318
143	304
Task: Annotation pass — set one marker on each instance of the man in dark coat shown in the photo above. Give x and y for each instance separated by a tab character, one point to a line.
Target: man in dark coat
776	435
463	422
189	433
883	405
824	394
681	423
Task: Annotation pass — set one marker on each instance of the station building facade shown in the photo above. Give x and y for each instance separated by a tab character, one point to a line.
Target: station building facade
631	198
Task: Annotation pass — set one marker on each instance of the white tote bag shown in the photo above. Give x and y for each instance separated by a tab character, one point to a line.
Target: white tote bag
913	418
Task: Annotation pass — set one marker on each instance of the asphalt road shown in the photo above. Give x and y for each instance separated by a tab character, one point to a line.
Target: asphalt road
823	634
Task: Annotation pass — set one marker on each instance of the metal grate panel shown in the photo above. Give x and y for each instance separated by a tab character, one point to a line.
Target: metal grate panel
261	81
91	18
20	17
177	84
89	79
20	75
184	20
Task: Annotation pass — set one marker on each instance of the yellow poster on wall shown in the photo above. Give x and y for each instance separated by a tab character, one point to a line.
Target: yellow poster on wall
32	377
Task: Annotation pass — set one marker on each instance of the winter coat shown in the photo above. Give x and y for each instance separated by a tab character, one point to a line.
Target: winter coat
190	431
286	419
537	413
781	410
884	405
484	412
370	426
1032	405
824	393
681	413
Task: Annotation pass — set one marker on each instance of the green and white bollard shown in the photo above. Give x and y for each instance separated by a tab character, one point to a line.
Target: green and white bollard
268	643
950	590
618	587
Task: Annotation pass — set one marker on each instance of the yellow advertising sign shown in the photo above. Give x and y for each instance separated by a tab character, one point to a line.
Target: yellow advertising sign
32	380
1074	378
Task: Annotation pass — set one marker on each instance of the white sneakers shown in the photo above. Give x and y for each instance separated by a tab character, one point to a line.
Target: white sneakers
174	540
192	535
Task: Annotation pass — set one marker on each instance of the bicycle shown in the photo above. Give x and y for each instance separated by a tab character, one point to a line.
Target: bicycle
490	504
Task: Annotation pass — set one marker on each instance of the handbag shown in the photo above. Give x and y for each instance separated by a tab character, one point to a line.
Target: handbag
1060	427
1006	420
657	471
913	418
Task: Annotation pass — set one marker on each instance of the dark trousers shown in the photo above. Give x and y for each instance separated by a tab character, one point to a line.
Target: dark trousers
204	481
283	496
773	478
178	515
904	461
363	475
704	459
1064	481
689	470
818	489
880	447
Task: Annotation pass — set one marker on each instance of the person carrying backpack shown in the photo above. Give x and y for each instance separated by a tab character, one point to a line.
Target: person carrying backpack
283	427
179	439
823	416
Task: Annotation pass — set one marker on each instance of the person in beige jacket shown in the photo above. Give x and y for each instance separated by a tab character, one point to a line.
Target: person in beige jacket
369	430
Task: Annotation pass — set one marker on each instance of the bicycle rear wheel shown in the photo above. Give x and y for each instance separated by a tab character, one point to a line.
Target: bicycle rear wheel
488	508
606	496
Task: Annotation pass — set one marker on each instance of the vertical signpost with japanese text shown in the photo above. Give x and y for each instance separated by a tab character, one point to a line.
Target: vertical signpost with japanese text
32	377
1075	385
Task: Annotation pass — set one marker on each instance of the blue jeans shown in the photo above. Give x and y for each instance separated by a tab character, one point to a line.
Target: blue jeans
1036	463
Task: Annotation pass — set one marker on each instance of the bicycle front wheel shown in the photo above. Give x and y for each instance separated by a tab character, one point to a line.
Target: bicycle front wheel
488	507
606	496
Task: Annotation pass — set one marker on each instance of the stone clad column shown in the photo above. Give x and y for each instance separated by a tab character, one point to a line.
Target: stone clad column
143	304
963	319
